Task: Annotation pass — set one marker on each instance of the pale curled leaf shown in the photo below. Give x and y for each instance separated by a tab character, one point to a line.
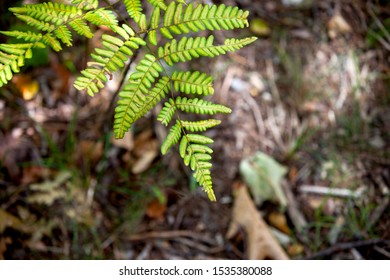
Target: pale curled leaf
263	176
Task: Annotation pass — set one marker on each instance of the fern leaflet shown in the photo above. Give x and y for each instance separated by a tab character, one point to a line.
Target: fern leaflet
179	19
134	9
133	95
189	48
158	3
108	59
193	82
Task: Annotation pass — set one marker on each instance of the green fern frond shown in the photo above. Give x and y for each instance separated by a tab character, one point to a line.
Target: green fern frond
189	48
16	49
51	41
80	26
134	9
158	3
200	106
195	153
43	26
101	17
172	138
193	82
166	113
160	90
49	16
53	18
49	12
188	105
12	57
179	19
199	126
63	33
134	92
86	4
108	59
27	36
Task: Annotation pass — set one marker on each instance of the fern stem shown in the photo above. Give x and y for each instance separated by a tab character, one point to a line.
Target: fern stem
111	6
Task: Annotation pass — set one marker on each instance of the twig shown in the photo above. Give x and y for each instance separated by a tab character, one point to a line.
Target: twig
382	251
168	235
356	254
334	232
295	215
256	114
378	211
271	75
344	246
230	73
332	191
145	252
200	247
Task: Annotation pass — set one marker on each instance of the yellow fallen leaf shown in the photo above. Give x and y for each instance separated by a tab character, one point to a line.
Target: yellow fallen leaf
279	221
259	27
295	249
26	85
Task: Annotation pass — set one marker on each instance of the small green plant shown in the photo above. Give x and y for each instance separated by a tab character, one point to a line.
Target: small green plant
171	32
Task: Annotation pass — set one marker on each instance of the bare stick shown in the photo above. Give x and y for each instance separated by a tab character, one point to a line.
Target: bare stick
345	246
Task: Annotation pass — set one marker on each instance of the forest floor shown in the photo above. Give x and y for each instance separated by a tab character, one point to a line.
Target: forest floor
312	93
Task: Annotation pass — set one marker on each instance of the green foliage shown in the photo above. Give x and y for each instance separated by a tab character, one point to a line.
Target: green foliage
180	20
158	4
193	82
134	8
133	96
56	24
53	22
108	59
189	48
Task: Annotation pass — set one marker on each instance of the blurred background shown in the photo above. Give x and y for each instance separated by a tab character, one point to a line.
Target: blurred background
301	166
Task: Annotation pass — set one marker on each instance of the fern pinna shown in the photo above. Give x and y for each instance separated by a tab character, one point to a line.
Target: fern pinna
149	83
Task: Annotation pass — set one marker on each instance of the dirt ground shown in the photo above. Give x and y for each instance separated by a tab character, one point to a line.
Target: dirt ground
312	93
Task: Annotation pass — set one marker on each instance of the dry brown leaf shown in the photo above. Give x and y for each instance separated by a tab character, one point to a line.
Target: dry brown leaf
50	190
9	220
146	150
145	141
338	25
127	142
261	242
144	162
293	174
89	151
32	174
279	221
156	209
